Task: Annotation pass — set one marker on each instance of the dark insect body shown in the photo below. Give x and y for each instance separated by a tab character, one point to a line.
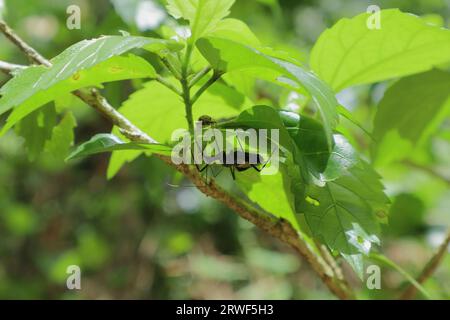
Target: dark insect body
236	160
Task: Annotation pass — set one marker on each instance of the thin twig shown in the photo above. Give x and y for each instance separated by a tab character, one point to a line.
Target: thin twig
216	76
278	228
199	76
169	85
187	104
22	45
330	260
429	269
7	67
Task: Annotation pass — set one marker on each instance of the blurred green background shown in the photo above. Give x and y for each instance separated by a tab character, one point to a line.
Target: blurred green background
139	237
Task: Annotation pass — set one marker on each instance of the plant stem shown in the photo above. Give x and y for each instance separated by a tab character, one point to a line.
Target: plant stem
168	85
186	61
199	76
188	104
216	76
171	68
186	89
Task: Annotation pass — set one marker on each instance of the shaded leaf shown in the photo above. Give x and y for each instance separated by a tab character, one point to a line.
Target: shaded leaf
410	110
37	129
344	213
310	138
62	137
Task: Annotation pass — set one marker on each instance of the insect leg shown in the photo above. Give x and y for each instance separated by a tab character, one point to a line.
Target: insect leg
216	174
256	167
232	172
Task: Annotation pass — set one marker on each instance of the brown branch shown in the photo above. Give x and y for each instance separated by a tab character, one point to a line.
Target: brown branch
280	229
429	269
30	52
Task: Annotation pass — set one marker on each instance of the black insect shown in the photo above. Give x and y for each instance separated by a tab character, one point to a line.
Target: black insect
237	160
207	120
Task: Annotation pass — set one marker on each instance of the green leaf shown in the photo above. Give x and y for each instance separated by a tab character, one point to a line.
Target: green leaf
342	205
310	138
261	117
406	216
276	201
235	30
159	112
342	158
203	15
62	137
28	93
350	53
103	142
37	129
228	56
410	110
80	56
343	213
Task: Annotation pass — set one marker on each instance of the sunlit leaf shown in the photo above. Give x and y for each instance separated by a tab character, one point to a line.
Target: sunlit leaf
80	56
103	142
203	15
24	92
351	53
